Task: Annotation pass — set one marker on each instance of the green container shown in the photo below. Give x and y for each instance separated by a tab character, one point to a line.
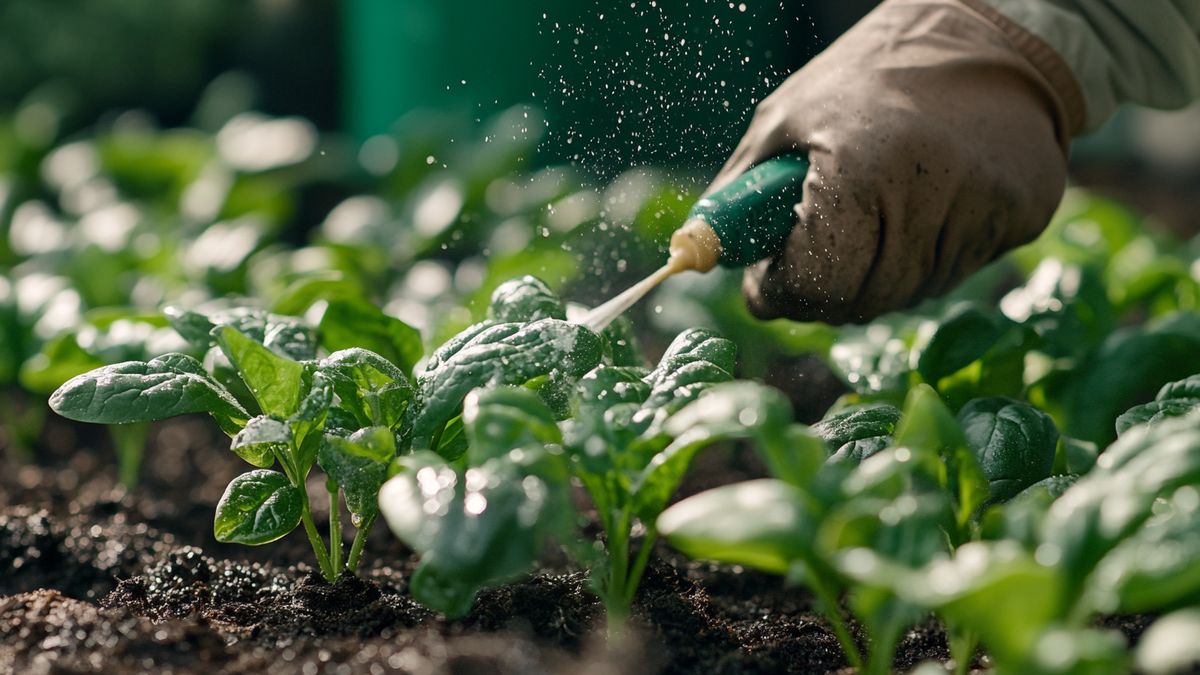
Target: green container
754	214
621	84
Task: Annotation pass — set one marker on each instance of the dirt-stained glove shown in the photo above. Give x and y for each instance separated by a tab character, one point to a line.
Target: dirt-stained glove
936	145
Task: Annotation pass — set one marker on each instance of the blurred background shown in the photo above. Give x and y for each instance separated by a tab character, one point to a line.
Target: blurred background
412	152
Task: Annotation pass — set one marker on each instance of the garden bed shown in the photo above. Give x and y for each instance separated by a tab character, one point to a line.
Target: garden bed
97	579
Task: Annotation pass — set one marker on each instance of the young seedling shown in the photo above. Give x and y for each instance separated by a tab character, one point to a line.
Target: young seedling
282	406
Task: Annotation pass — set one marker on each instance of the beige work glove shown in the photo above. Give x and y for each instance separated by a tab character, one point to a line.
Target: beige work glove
936	145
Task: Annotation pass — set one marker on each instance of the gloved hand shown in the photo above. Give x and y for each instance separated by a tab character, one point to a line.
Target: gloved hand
936	144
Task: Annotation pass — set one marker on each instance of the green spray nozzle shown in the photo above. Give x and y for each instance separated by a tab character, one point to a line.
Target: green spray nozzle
754	214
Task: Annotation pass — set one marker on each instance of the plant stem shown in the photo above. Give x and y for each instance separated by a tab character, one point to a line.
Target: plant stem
129	440
879	658
360	539
833	614
615	604
335	528
962	649
639	565
314	537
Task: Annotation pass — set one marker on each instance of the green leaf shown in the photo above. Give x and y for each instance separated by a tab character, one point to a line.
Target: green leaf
477	529
734	410
274	380
503	354
1066	305
858	433
358	464
1155	570
368	386
695	345
996	589
1109	504
1187	388
285	335
764	524
1126	369
1014	442
524	300
966	333
257	508
261	440
349	323
1154	412
926	425
503	418
174	384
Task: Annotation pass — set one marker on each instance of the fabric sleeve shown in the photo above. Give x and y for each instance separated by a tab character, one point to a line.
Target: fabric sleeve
1120	51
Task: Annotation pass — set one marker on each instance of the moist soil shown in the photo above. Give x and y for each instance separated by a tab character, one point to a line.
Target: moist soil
97	579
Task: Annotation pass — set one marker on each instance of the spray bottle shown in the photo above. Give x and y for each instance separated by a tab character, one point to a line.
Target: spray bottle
747	220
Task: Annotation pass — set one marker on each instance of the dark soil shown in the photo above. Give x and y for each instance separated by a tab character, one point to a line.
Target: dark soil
93	579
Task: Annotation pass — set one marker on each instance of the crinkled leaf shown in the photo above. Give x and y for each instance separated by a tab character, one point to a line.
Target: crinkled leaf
1014	442
1187	388
368	386
524	300
1155	412
694	345
174	384
858	433
258	507
503	354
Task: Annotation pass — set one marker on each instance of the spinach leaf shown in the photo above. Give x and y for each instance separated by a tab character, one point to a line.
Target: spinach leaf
285	335
1109	504
359	465
765	524
1014	442
261	440
526	299
500	419
258	507
858	433
476	528
1175	399
502	354
170	385
274	380
369	387
1126	369
353	323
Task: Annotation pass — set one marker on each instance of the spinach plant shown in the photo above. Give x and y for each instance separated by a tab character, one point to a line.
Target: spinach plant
846	525
350	412
629	438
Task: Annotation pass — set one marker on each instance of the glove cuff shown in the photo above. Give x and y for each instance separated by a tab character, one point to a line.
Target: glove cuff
1060	79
